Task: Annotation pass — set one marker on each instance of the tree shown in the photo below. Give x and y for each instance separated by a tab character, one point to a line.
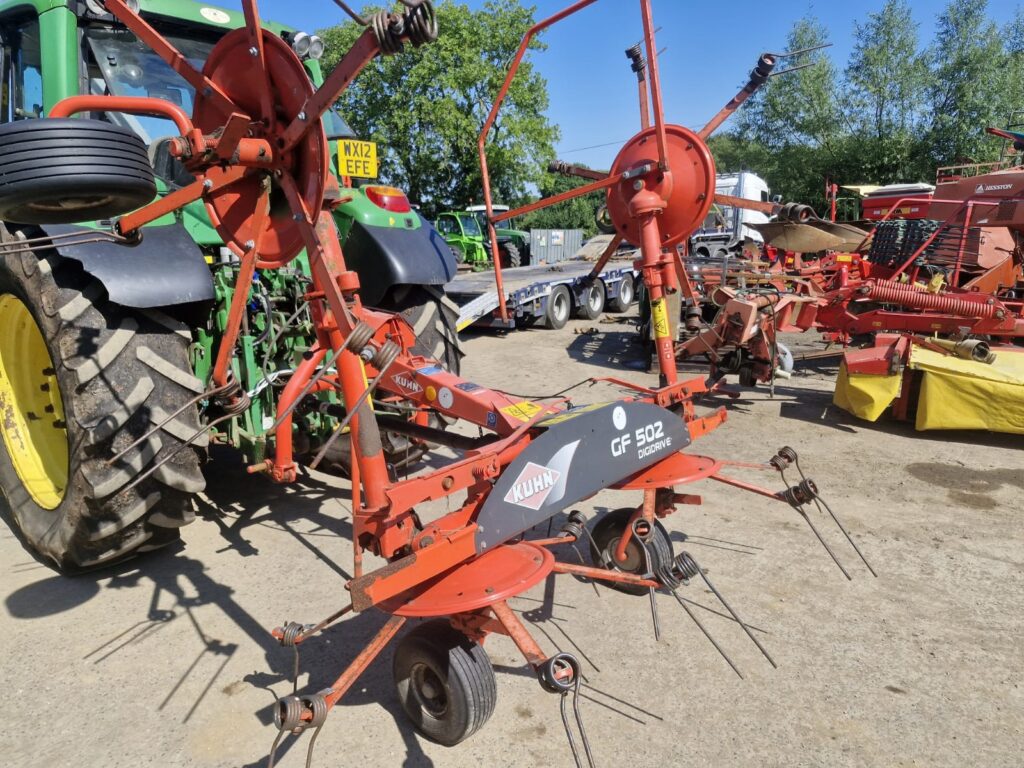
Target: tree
425	107
796	122
887	81
578	213
968	86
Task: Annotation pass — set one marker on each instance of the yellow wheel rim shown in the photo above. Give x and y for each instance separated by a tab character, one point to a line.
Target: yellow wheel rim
31	409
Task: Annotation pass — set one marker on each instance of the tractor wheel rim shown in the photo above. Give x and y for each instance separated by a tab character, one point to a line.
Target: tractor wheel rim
626	292
595	299
31	408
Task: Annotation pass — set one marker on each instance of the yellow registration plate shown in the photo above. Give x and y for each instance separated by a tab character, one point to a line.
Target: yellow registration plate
357	159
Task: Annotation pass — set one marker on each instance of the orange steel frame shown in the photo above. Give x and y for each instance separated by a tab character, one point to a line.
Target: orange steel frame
264	147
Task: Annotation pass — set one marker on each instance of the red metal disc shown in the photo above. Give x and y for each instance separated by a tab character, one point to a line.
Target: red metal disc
233	68
677	469
688	194
504	572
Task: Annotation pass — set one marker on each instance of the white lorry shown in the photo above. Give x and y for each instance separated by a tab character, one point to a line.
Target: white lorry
725	231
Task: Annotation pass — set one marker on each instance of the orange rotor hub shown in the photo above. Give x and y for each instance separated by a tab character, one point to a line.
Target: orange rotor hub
683	196
232	67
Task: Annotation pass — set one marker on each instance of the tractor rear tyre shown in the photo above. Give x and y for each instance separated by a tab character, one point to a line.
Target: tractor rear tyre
605	538
81	379
592	305
60	171
622	301
510	256
432	316
559	307
445	682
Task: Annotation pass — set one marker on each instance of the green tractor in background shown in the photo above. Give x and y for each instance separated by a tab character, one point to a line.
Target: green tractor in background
106	351
466	234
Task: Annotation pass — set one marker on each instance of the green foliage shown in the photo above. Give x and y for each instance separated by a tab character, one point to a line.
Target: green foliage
425	107
898	110
577	213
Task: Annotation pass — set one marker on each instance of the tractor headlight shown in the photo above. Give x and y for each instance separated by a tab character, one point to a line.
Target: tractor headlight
316	47
301	43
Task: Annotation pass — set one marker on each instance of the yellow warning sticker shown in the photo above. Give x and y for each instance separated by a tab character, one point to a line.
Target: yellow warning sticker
523	411
572	414
660	316
844	258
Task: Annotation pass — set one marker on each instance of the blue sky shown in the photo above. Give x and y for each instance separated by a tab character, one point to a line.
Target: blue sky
710	49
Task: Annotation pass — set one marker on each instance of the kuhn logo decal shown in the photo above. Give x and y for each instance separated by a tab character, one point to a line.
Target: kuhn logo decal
533	486
407	383
538	484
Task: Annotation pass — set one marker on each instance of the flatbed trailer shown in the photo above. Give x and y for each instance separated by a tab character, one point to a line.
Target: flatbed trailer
529	290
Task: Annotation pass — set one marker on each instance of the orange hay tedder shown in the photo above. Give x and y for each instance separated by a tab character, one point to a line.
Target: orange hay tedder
257	149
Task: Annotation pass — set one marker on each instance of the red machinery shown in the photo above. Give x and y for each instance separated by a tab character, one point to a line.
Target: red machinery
258	152
957	272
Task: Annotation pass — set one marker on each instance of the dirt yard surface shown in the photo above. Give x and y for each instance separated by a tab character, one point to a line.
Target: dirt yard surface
167	661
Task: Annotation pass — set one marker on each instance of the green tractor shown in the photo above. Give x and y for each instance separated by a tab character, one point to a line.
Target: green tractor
106	351
466	234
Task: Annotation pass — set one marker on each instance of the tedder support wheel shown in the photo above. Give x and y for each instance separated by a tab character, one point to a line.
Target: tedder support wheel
60	171
445	682
624	299
606	535
80	380
593	301
559	307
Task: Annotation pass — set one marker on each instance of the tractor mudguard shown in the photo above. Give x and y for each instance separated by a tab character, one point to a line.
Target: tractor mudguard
167	269
384	257
581	452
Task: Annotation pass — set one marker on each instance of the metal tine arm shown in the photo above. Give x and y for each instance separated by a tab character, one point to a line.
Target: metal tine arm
818	502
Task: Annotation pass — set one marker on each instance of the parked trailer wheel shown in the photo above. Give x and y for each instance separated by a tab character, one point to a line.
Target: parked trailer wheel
61	171
80	380
624	299
605	538
445	682
592	304
559	307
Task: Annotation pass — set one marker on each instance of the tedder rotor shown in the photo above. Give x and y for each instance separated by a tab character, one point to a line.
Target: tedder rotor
257	150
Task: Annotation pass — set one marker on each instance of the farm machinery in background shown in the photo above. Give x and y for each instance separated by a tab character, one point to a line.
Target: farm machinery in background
935	288
464	233
257	155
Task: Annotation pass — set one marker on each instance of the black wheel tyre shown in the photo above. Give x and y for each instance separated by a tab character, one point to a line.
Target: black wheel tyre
702	252
119	373
458	253
593	301
60	171
445	682
721	254
624	299
559	307
432	316
606	535
510	256
604	222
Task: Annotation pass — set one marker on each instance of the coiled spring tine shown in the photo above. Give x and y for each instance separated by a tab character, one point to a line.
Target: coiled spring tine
729	608
707	634
818	502
796	502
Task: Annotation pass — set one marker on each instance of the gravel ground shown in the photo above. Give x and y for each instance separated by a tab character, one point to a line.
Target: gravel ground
167	661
